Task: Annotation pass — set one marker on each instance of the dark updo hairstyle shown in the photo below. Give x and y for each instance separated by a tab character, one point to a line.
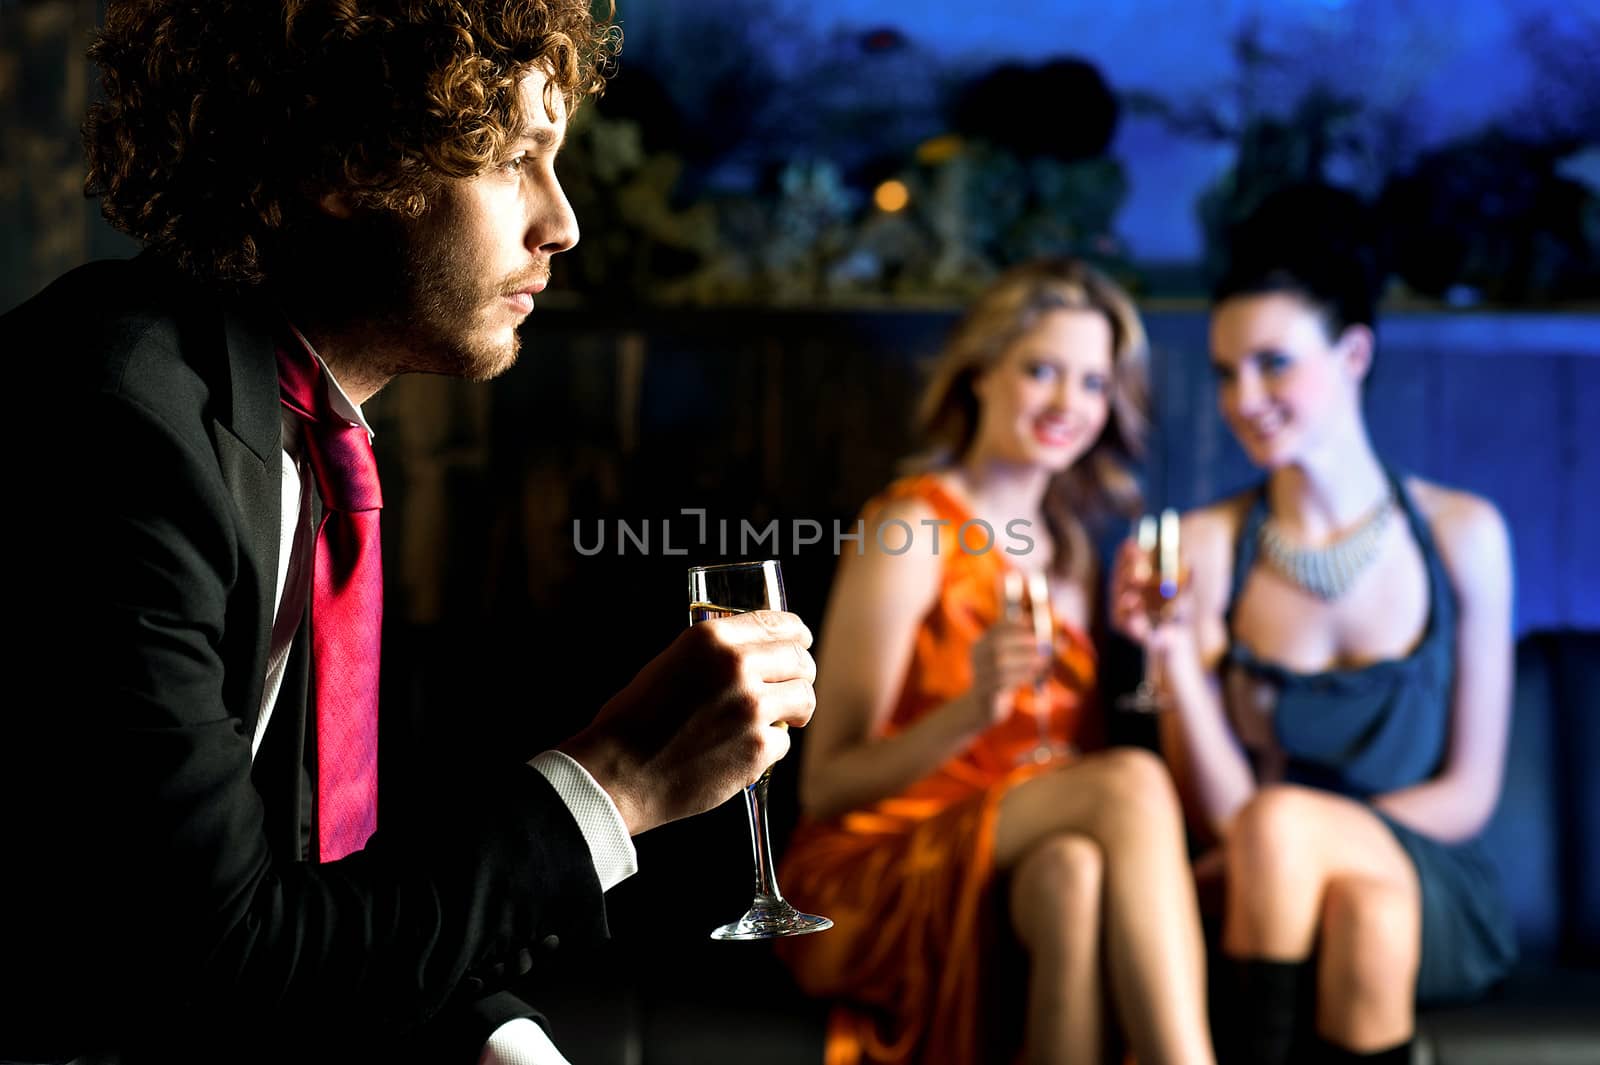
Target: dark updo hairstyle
1313	241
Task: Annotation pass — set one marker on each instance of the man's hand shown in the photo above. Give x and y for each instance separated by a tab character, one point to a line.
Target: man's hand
703	719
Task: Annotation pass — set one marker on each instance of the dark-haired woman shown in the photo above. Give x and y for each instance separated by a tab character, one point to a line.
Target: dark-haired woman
927	816
1339	672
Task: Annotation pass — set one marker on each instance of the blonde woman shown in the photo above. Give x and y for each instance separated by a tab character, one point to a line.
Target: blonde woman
930	834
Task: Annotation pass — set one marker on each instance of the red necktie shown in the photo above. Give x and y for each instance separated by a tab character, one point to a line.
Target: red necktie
346	607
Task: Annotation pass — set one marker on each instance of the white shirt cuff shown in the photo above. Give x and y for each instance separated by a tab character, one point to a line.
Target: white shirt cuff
602	826
520	1041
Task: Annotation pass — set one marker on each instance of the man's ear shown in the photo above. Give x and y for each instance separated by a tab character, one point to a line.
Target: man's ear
1356	345
335	204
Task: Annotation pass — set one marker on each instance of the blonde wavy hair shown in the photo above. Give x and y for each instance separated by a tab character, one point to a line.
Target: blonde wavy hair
223	121
1102	483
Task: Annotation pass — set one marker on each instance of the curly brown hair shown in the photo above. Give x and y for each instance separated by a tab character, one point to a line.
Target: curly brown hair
1102	483
225	121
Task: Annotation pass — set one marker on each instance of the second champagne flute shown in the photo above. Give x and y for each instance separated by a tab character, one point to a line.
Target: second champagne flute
718	592
1162	559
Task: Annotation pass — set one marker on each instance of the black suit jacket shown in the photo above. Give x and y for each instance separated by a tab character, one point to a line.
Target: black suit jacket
156	898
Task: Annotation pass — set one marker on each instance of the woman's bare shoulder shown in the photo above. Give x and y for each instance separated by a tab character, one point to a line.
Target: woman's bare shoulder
911	509
894	554
1469	528
1453	512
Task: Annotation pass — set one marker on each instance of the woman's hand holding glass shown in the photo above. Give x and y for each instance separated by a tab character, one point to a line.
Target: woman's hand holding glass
1150	601
1027	601
1005	659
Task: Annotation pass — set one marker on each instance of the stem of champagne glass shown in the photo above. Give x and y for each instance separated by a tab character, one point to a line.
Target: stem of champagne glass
755	800
1041	714
713	591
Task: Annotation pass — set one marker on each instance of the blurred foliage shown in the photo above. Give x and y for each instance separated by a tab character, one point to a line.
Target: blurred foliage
781	209
1021	209
736	157
1491	218
1275	153
735	153
1004	107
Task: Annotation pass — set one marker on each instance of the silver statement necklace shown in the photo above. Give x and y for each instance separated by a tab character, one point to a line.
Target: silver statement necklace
1329	571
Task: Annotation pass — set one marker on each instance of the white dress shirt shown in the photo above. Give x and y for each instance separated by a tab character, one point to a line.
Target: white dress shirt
520	1041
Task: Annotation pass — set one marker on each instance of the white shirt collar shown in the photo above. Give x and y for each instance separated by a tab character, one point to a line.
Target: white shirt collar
343	406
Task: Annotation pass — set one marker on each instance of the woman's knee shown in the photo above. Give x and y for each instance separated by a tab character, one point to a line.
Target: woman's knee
1274	875
1371	937
1134	783
1270	838
1056	889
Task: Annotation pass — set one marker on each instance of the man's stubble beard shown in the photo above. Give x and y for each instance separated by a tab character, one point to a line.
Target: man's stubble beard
438	325
407	300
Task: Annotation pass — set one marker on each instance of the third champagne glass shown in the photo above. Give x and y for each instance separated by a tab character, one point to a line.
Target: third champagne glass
717	592
1163	579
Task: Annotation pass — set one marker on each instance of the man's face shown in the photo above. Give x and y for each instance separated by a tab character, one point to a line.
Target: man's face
474	261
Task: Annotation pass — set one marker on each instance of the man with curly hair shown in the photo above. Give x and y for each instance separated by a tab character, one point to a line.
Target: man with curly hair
330	193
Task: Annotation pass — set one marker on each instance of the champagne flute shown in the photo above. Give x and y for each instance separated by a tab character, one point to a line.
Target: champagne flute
718	592
1160	549
1038	603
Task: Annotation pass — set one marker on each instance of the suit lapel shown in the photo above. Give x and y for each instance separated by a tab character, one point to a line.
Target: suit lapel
248	445
250	450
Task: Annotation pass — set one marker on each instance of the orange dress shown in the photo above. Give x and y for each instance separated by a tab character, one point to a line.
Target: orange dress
908	879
